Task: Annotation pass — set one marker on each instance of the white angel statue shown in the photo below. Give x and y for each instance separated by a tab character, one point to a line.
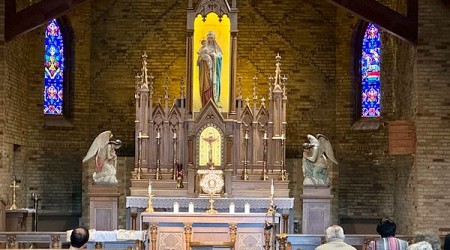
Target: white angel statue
104	151
317	159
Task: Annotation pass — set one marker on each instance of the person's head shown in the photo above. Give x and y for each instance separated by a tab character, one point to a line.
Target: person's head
423	245
211	36
79	237
334	232
447	242
386	228
203	42
429	236
116	144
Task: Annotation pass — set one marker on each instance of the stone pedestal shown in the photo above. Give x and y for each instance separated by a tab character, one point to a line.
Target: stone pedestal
316	209
16	220
103	203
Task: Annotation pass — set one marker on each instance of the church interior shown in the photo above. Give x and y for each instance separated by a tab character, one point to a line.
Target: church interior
290	69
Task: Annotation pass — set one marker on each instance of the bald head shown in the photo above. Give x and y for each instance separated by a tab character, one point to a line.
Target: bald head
79	237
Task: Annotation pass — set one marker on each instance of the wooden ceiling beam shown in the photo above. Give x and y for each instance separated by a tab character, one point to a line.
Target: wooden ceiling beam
370	10
34	15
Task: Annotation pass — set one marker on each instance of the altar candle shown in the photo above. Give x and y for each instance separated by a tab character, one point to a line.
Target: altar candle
272	188
246	136
231	208
158	135
191	207
265	136
176	207
174	135
149	187
247	208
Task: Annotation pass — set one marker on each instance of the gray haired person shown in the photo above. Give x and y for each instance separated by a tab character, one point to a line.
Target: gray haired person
423	245
428	236
335	239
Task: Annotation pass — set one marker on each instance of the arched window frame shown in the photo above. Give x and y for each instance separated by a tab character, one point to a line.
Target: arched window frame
67	110
357	55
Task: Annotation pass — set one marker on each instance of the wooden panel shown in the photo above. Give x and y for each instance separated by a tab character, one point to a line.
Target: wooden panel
34	16
16	220
392	21
402	138
2	216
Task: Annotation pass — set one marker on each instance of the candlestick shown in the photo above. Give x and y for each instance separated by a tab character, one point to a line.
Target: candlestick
247	208
232	208
272	189
191	207
176	207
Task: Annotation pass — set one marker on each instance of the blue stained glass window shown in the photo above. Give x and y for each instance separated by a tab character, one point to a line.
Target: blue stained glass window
54	69
370	72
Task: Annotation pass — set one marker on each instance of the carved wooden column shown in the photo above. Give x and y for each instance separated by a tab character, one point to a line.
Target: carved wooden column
282	240
56	242
11	241
134	215
188	235
285	223
267	238
233	72
233	232
144	94
189	71
153	234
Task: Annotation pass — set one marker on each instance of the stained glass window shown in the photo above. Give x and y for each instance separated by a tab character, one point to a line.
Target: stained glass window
370	72
54	69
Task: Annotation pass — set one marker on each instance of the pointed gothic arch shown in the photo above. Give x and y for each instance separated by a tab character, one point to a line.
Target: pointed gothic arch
367	68
58	65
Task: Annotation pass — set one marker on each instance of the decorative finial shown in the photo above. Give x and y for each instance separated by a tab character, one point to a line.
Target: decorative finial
247	101
166	88
181	88
283	83
270	86
255	81
262	102
239	87
151	77
278	57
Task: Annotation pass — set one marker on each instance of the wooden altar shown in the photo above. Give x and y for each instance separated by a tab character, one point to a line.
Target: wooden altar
180	138
174	138
186	230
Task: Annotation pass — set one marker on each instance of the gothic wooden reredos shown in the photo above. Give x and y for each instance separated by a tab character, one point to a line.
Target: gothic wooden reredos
251	135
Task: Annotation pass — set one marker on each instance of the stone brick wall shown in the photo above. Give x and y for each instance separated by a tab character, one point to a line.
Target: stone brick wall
47	159
370	182
432	117
315	41
4	176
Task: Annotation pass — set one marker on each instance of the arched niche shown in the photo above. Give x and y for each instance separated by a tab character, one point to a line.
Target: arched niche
218	17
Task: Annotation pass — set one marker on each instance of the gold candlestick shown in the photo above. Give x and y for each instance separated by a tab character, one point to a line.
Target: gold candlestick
150	205
14	186
150	202
139	170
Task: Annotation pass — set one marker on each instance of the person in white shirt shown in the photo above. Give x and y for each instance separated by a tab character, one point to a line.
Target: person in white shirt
335	239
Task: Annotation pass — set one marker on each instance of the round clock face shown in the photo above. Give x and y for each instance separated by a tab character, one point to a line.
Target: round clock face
212	183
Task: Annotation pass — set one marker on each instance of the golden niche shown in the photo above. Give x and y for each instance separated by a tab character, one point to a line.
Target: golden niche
210	147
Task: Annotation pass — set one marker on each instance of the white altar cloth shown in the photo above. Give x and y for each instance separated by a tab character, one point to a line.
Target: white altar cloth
116	235
202	202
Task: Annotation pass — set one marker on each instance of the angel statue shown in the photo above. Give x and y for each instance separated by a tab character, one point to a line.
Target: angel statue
317	159
104	151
